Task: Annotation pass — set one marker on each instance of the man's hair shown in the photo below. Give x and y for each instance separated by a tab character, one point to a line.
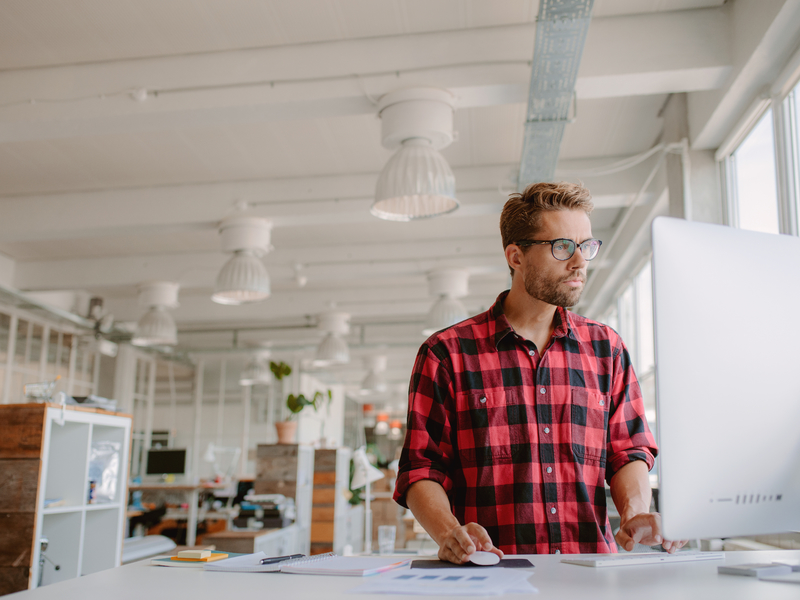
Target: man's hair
522	214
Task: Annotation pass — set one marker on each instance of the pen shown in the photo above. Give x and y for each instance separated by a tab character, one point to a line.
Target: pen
275	559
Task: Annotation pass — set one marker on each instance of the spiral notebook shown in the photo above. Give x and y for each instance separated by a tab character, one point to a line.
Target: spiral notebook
321	564
353	566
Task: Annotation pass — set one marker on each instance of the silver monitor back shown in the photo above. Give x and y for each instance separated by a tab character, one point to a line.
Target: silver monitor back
727	337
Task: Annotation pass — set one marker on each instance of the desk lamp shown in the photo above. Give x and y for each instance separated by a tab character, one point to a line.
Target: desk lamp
363	475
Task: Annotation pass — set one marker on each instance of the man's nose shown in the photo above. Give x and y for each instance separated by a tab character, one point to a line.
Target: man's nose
577	261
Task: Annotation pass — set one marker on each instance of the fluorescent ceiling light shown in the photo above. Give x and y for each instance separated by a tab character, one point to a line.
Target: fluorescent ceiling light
244	277
242	280
443	314
448	285
416	183
157	327
256	371
333	348
374	382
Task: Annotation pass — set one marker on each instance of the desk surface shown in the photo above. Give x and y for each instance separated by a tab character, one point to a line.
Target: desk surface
554	580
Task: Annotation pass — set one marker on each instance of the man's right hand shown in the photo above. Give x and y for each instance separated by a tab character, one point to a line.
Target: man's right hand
463	540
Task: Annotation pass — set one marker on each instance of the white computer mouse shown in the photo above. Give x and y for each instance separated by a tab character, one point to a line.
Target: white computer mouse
483	559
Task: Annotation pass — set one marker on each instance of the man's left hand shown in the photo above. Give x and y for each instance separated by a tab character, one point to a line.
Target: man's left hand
645	528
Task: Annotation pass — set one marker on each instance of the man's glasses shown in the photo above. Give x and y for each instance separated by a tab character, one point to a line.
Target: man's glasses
563	249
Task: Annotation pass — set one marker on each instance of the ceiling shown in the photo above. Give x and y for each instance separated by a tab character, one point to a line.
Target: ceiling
273	103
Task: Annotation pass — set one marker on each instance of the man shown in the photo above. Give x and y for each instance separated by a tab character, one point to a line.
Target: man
517	416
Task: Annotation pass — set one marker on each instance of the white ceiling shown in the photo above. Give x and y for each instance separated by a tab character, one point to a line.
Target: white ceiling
272	102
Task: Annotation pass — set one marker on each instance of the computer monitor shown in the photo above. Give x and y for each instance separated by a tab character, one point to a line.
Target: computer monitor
166	461
727	338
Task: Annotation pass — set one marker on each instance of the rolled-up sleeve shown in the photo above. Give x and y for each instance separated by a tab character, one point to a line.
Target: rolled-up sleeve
428	449
629	436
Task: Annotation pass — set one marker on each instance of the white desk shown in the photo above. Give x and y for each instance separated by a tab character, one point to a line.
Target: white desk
138	581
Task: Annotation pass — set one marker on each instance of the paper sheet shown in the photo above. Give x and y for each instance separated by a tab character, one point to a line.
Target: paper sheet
450	582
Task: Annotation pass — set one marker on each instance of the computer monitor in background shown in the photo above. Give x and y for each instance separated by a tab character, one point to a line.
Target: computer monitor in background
727	337
166	461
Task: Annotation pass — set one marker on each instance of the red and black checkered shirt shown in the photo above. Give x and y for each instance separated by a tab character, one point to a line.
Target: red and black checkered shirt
522	443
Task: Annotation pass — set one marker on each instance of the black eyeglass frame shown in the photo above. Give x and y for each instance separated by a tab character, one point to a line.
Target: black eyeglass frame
526	243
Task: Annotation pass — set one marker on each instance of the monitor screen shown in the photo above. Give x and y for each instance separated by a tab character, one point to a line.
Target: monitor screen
168	461
727	337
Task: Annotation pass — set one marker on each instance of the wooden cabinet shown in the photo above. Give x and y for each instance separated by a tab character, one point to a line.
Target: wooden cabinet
288	469
46	462
332	525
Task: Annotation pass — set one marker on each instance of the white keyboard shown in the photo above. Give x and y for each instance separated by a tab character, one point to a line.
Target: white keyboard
647	558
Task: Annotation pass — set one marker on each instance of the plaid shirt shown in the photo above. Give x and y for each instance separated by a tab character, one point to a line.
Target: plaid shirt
522	443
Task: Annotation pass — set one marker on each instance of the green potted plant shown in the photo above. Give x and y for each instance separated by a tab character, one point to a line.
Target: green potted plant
287	430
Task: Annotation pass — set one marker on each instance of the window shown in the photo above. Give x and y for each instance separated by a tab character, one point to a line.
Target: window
631	315
754	178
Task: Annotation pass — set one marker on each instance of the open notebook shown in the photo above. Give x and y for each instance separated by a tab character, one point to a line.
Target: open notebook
321	564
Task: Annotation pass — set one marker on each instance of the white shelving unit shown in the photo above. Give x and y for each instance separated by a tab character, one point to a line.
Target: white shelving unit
83	537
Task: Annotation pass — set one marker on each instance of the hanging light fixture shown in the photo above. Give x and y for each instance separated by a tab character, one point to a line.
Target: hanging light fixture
396	430
448	285
244	277
381	424
417	182
157	327
333	348
374	382
256	371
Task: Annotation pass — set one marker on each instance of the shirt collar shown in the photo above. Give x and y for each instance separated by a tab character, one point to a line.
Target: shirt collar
502	327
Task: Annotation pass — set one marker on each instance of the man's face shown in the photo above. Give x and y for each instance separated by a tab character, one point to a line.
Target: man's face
556	282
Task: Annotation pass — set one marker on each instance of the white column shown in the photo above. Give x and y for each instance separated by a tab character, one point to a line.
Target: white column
676	131
246	390
221	401
173	405
198	413
150	407
73	358
11	349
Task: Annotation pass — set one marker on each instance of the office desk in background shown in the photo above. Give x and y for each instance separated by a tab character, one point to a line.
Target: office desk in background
194	499
554	580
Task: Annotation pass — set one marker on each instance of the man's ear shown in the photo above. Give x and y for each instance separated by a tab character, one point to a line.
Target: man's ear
513	256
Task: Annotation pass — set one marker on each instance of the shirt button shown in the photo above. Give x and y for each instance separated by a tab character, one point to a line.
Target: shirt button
549	469
532	352
483	400
547	430
553	510
557	552
602	402
542	391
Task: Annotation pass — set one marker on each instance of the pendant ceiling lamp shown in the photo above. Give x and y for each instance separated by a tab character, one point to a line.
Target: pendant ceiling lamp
256	371
157	327
417	182
374	382
244	277
448	285
333	349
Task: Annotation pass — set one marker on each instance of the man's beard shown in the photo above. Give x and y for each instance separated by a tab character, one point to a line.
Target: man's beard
548	290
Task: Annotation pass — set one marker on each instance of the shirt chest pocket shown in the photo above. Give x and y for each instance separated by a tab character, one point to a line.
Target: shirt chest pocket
492	428
589	425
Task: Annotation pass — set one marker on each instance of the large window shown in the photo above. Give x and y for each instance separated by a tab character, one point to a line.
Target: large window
755	181
631	315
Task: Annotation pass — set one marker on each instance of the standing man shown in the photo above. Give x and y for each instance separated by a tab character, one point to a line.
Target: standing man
519	415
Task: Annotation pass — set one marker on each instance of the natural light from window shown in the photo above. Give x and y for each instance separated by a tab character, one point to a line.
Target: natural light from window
756	187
